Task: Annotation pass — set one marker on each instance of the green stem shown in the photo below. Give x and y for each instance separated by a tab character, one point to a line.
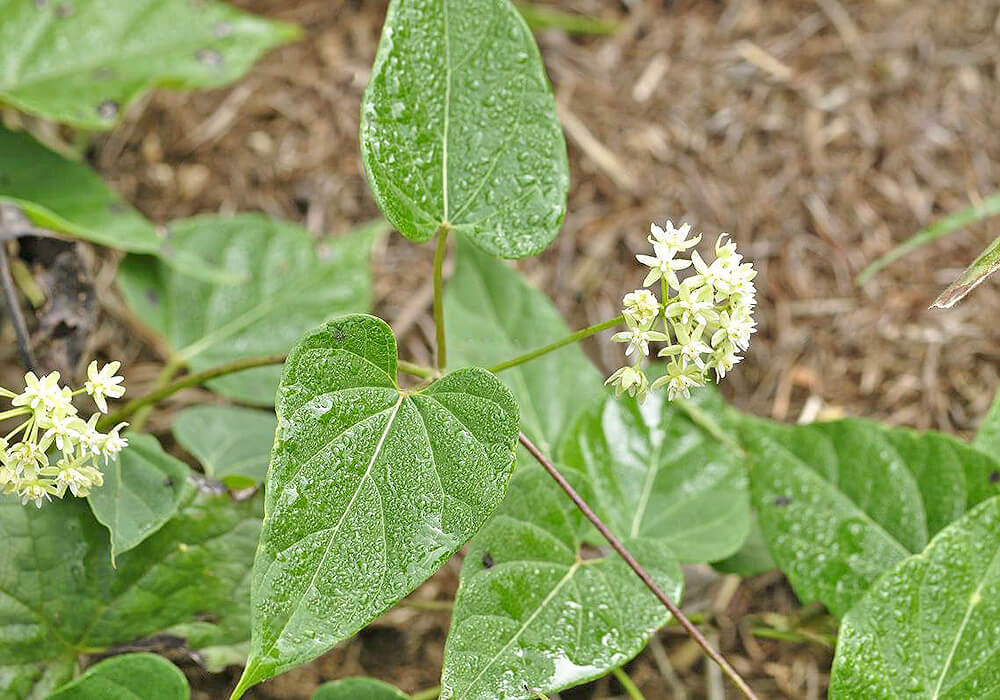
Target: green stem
571	338
415	370
429	694
630	687
439	253
428	605
163	390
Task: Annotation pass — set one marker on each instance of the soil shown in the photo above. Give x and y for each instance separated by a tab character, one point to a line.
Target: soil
820	133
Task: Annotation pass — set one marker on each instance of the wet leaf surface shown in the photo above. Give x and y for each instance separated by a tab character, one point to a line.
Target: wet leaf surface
370	489
458	125
840	503
930	628
657	475
533	613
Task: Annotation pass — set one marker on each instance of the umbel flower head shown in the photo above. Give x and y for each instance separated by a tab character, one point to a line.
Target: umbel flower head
704	319
53	450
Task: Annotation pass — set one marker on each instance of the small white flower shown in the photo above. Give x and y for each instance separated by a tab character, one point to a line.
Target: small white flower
680	380
637	337
663	265
630	380
642	306
79	479
673	238
103	383
36	491
113	443
689	347
693	304
42	395
64	429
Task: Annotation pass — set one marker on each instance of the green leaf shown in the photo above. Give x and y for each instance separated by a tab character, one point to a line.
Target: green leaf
286	288
127	677
988	207
533	613
142	491
35	681
60	597
542	17
232	444
459	127
983	266
752	559
370	488
928	628
988	438
657	475
358	689
493	315
83	62
840	503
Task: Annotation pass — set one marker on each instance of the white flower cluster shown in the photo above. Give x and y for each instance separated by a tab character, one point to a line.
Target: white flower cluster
51	420
706	319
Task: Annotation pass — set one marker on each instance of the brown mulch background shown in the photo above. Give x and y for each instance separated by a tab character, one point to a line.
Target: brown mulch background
820	133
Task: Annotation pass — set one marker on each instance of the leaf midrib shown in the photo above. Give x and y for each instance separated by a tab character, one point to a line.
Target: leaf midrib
336	530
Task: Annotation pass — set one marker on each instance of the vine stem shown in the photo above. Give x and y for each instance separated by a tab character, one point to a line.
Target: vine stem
639	571
439	254
571	338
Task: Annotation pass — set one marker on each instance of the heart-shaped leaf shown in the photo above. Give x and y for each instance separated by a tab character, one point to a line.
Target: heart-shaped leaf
493	315
928	628
840	503
233	444
69	198
657	475
358	689
127	677
286	287
371	488
59	594
83	61
534	614
459	127
142	490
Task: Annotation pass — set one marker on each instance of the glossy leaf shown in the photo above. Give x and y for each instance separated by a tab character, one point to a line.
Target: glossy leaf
59	595
493	315
657	475
232	444
142	491
928	628
840	503
534	614
981	268
83	62
752	559
370	489
128	677
458	126
285	288
358	689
